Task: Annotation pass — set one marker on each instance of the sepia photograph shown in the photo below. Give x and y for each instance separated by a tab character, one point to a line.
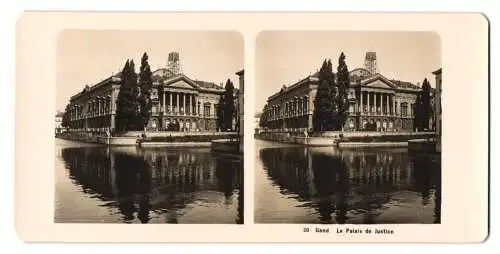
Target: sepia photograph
143	122
149	127
348	127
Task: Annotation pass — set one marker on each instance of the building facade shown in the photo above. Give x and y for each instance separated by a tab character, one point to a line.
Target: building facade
58	123
241	108
437	108
191	104
374	100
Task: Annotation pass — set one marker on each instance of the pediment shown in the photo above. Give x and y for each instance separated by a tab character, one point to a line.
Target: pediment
181	82
379	82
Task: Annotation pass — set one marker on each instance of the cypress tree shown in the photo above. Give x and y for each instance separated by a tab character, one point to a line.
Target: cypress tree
323	102
263	117
333	108
145	84
122	104
343	91
418	113
136	123
220	113
65	119
228	105
127	102
426	104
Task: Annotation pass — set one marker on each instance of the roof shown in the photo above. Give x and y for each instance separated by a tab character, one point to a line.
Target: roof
437	72
115	78
239	73
60	114
209	85
404	84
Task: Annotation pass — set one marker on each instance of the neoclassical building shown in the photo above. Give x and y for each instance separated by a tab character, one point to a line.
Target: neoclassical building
177	98
437	107
373	98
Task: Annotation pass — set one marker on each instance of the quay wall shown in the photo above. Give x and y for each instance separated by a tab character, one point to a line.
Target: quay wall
158	138
346	139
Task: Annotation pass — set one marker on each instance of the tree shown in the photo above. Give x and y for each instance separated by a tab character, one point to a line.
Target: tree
323	103
66	118
220	113
145	84
426	104
341	99
127	112
228	105
417	111
263	117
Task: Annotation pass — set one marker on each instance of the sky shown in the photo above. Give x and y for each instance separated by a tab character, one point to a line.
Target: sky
89	56
285	57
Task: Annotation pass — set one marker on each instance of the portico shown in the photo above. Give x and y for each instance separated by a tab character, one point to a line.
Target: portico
186	104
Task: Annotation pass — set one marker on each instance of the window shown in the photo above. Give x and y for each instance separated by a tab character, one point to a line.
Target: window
206	109
404	109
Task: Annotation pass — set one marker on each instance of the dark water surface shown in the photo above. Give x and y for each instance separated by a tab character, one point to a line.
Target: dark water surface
346	186
99	184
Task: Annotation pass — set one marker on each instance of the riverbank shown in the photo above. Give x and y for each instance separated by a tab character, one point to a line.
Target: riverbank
347	139
153	139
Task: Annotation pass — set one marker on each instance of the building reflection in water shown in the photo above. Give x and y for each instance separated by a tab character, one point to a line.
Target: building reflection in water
141	183
355	185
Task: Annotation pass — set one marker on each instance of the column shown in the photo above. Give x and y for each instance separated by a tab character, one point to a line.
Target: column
306	99
195	106
296	104
171	101
368	104
394	104
184	103
378	102
387	104
381	103
177	103
309	116
98	106
384	102
191	101
199	106
301	106
361	100
164	103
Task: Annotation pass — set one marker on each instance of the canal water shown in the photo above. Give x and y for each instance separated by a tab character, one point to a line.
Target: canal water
327	185
101	184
